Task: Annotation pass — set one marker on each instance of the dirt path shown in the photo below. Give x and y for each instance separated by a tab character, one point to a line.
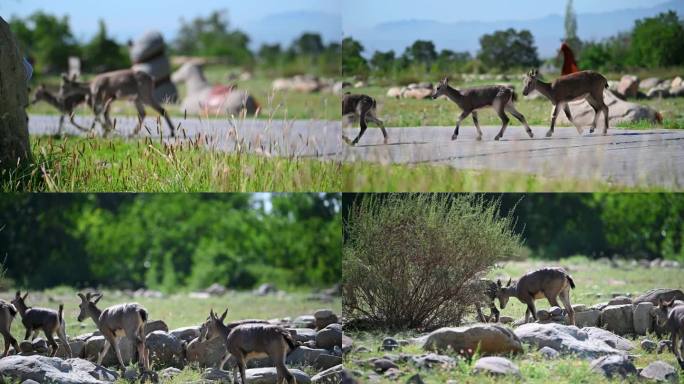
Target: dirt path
626	157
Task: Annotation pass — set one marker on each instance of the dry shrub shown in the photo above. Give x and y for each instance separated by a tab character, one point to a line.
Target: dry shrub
407	258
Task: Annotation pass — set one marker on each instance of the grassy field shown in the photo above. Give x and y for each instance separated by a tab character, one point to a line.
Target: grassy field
371	177
418	113
280	105
108	165
241	305
596	282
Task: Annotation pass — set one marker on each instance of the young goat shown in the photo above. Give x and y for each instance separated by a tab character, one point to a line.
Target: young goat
362	107
548	283
485	293
670	314
246	341
7	314
588	85
65	104
499	97
117	321
49	320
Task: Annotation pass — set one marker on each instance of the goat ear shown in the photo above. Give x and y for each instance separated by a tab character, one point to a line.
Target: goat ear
509	282
223	316
18	294
98	299
81	296
498	283
211	314
74	77
25	296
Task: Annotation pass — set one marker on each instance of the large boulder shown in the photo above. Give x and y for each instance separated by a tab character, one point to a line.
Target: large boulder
14	137
54	370
609	338
619	111
588	318
77	349
325	317
303	335
155	325
165	349
618	319
643	320
269	376
148	54
665	294
329	337
147	46
565	339
186	334
614	366
628	86
496	365
490	339
207	353
95	344
660	371
649	83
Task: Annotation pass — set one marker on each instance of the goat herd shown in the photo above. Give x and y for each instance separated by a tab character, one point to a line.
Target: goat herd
243	340
587	85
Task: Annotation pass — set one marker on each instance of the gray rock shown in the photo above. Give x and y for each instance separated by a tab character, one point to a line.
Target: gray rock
599	306
579	308
663	345
216	289
555	311
648	345
305	356
665	294
40	346
305	321
649	83
543	315
618	319
619	111
25	346
95	344
53	369
614	366
660	371
325	317
329	336
266	289
628	86
565	339
329	376
29	381
415	379
186	334
658	93
381	365
505	319
549	353
165	349
489	338
325	361
215	374
393	373
77	349
643	321
347	343
155	325
389	344
269	376
303	334
169	373
620	300
432	359
497	366
609	338
589	318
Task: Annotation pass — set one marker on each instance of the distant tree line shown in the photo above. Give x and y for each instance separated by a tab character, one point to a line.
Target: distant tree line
653	43
170	241
48	41
632	226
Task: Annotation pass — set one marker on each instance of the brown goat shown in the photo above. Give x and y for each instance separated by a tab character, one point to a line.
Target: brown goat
670	314
7	314
362	107
549	283
49	320
247	341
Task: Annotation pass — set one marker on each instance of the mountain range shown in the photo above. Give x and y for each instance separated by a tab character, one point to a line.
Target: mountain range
464	35
285	27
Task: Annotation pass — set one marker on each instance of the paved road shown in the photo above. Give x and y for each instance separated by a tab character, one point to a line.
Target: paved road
626	157
302	138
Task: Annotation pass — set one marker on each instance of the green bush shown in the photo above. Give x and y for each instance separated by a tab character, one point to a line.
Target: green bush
407	258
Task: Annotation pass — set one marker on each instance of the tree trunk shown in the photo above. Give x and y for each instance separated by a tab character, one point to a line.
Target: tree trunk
14	138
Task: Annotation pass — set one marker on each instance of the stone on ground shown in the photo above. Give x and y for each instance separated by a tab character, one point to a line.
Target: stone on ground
329	337
206	354
165	349
618	319
496	365
269	376
619	111
648	345
53	369
665	294
186	334
588	318
565	339
549	352
329	376
643	321
614	366
660	371
491	339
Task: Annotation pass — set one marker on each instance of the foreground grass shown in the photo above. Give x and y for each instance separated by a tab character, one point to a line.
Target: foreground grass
420	113
97	165
369	177
275	105
179	310
596	282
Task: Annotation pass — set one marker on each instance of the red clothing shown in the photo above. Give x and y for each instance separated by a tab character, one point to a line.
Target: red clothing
569	64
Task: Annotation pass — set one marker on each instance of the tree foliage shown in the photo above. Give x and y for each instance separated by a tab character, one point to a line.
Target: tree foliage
508	49
353	63
103	54
170	241
657	41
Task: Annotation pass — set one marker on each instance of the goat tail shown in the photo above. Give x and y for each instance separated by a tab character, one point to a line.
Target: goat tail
60	314
572	282
143	315
514	95
287	336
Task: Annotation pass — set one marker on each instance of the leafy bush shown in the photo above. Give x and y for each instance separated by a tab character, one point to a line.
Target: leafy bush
407	258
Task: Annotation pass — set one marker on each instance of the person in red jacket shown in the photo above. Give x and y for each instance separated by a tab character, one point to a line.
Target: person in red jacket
569	64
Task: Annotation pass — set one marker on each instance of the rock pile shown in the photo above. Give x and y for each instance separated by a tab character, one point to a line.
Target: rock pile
148	55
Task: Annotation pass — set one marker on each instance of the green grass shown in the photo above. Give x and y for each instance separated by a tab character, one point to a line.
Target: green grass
179	310
420	113
109	165
370	177
596	282
281	105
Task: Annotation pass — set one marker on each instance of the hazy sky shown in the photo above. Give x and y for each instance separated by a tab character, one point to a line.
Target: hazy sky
361	14
130	18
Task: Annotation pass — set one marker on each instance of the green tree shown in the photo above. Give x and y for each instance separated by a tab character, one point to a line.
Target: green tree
353	63
310	44
448	60
657	41
571	37
270	54
421	52
504	50
383	62
103	54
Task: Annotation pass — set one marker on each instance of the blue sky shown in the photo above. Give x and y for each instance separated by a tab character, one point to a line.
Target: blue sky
361	14
129	18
